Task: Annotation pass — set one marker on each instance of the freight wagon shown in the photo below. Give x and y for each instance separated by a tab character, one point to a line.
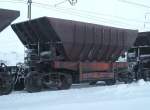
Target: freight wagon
65	52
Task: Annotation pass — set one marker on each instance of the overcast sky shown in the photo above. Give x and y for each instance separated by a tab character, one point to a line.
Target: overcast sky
107	12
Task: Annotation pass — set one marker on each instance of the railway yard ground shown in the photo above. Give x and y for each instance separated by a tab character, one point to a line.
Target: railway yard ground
135	96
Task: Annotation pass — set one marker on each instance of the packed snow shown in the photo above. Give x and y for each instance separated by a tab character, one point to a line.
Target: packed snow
135	96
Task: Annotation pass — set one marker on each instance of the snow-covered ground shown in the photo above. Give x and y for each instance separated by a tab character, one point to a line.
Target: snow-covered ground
135	96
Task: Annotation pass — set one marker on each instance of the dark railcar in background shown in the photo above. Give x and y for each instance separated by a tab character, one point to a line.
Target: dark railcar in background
6	81
6	17
61	52
139	57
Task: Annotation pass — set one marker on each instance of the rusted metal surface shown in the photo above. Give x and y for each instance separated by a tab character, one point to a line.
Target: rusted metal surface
142	39
96	76
120	65
85	66
92	71
89	66
66	65
6	17
80	41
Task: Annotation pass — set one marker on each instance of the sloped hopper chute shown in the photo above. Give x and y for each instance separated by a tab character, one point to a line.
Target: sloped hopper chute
80	41
143	39
6	17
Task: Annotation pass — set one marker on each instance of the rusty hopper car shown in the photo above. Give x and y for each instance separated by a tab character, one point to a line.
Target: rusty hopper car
62	52
6	17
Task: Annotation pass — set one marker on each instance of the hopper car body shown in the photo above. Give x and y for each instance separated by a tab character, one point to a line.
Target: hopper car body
61	52
65	52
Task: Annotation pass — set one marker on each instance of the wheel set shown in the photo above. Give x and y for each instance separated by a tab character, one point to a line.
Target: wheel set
36	82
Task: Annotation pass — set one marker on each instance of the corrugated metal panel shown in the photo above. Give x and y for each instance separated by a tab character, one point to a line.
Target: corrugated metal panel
6	17
80	41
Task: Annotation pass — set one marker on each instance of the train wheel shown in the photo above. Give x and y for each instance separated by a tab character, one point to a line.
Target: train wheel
110	81
19	85
128	79
33	82
65	81
93	83
146	76
6	84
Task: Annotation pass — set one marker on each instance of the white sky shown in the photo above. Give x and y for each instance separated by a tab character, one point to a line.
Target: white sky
106	12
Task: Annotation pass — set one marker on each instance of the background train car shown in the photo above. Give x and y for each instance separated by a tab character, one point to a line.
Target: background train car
6	81
139	57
